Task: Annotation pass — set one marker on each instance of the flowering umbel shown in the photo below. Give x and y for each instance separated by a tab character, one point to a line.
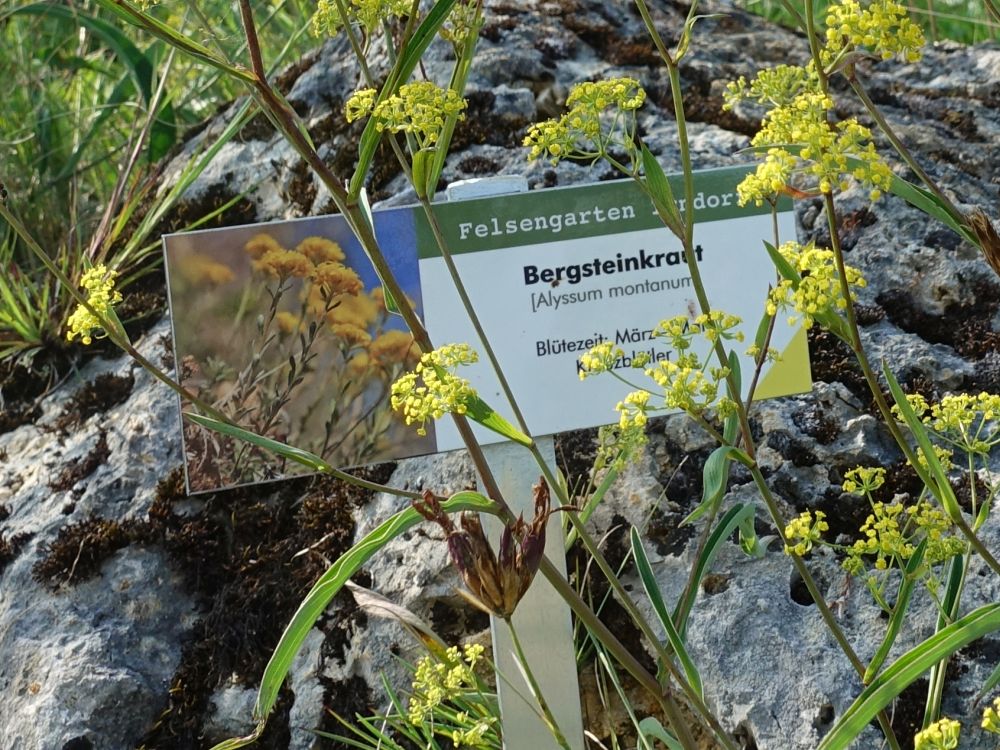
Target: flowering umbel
496	583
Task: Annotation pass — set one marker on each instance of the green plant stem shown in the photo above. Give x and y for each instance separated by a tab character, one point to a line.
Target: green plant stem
547	715
819	599
876	388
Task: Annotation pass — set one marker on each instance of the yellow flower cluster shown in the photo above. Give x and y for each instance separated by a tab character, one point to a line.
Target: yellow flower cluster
475	735
99	283
777	87
991	717
884	27
969	423
801	112
941	735
803	532
600	358
369	13
686	387
891	533
863	480
419	109
333	278
831	153
435	682
461	23
818	291
432	389
633	410
601	115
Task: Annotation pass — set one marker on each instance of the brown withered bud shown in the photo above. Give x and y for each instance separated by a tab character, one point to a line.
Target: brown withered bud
496	584
989	240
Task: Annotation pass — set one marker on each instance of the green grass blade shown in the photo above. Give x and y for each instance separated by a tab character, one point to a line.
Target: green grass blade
656	599
324	590
135	62
906	669
727	524
898	612
290	452
937	482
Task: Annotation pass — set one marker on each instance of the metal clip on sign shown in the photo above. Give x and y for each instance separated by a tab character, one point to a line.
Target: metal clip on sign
542	618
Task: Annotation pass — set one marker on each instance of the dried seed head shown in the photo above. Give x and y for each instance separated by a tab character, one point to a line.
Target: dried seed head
988	238
495	583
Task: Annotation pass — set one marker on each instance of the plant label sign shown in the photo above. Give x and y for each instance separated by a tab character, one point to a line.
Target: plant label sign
283	325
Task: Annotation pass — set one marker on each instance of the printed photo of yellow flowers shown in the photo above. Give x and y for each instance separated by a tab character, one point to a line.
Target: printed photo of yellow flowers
284	328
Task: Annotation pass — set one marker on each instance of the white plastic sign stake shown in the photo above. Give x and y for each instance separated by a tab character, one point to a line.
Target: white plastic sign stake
542	619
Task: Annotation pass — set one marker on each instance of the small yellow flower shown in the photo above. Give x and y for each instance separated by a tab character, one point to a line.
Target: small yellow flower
99	283
419	109
819	289
941	735
600	358
351	335
884	27
601	114
804	531
359	104
369	13
863	480
991	717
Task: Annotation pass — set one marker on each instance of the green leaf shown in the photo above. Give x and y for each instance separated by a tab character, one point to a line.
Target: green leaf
651	727
656	599
479	411
405	64
323	592
290	452
748	538
715	475
785	269
890	683
898	611
660	191
937	481
722	531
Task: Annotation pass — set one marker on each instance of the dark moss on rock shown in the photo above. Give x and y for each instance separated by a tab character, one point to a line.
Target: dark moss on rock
81	468
102	393
79	549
